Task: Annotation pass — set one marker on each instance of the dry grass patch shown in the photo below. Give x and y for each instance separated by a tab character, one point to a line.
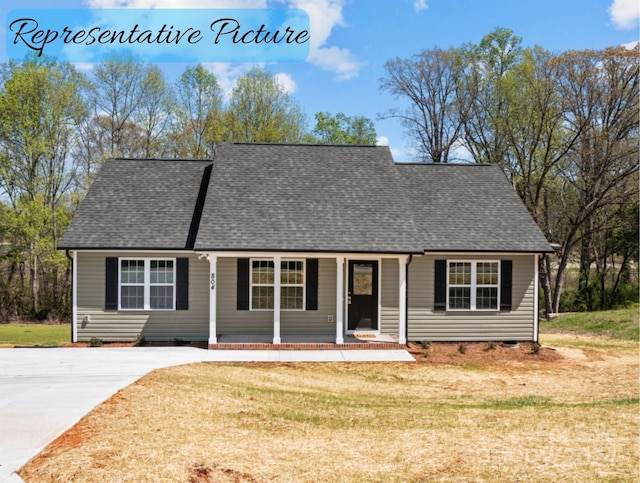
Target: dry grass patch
573	419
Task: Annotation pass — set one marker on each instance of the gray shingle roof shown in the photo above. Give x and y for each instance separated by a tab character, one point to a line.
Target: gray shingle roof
468	207
138	204
302	198
305	198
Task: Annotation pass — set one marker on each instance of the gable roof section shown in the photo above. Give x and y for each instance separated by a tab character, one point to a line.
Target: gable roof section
306	198
468	207
140	204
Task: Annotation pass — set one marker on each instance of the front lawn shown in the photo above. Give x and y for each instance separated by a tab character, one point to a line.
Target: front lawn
34	335
575	418
619	324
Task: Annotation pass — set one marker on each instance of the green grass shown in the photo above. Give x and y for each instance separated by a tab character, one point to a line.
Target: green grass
34	335
623	324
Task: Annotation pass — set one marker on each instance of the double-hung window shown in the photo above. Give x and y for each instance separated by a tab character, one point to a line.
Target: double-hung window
473	285
292	284
147	284
263	284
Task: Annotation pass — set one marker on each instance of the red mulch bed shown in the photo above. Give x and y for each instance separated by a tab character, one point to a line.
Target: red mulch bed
462	353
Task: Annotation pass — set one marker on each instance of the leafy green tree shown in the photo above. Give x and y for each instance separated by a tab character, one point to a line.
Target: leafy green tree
260	110
198	123
482	92
154	114
342	129
41	109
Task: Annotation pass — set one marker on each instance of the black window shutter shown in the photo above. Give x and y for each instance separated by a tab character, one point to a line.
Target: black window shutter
111	284
506	272
243	284
440	285
312	284
182	284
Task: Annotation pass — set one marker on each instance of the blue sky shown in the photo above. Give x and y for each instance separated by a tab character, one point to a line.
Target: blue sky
352	39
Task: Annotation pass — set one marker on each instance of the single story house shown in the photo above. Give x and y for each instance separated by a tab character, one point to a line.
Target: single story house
283	242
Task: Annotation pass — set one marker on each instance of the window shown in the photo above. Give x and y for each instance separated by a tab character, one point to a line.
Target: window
147	284
291	284
473	285
262	281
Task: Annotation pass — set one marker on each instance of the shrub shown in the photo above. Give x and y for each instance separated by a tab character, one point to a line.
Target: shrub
95	342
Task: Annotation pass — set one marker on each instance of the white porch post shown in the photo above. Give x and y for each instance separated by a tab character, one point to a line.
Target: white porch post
339	300
276	300
213	289
402	302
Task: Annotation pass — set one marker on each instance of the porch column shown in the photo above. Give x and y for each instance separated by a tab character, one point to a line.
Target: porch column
339	300
276	300
213	268
402	302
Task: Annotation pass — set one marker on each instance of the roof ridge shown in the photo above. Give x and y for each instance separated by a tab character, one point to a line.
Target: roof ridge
308	145
199	160
414	163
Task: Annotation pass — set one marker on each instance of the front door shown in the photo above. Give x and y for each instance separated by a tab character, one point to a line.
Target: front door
363	295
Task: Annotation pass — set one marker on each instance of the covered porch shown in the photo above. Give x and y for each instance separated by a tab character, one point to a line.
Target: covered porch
306	300
306	341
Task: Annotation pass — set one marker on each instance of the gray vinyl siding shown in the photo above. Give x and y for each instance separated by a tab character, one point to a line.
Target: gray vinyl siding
232	321
425	324
125	325
389	315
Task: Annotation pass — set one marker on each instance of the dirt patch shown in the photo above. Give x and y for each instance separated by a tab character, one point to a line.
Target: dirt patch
201	473
463	353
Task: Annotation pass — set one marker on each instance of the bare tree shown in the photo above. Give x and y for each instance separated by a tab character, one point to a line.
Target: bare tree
430	82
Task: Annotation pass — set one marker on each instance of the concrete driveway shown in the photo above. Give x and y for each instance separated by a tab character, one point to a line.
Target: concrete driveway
44	392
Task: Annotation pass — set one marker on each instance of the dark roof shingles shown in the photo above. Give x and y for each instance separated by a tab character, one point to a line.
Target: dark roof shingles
137	203
468	207
305	198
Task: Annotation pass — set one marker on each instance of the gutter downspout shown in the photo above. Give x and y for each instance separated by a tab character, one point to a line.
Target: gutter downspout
406	297
536	310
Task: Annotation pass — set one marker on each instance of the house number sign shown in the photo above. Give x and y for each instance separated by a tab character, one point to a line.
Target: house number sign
213	281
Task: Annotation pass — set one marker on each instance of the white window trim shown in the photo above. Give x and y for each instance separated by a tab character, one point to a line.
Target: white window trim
474	286
147	283
304	285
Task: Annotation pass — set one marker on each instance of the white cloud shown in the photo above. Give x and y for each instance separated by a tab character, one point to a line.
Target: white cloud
340	61
631	45
287	82
420	5
84	66
399	155
324	15
227	74
625	14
